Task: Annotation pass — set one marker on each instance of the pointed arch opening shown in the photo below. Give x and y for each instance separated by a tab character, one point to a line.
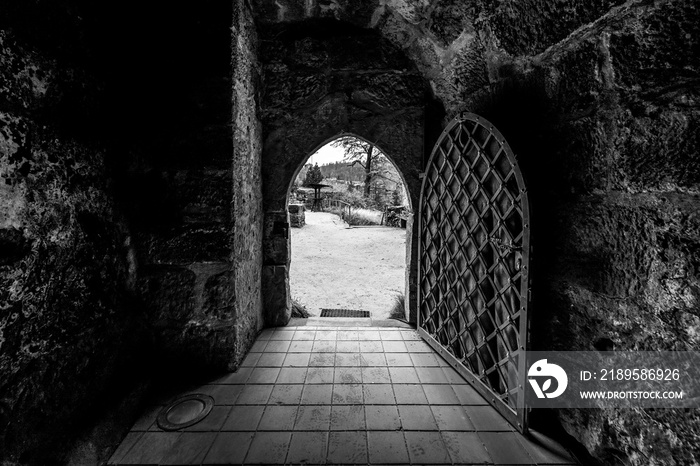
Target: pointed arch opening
349	207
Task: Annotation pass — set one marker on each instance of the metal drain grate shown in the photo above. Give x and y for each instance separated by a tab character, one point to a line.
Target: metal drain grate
343	313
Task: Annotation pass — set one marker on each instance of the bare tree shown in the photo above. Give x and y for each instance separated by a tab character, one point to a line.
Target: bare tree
369	157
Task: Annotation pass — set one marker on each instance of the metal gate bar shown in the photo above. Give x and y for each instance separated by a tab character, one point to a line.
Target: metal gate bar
473	288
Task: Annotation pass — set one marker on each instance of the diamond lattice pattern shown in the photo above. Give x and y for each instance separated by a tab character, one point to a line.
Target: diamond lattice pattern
472	276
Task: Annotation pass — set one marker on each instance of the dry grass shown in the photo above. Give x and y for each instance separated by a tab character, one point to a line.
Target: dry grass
299	310
398	311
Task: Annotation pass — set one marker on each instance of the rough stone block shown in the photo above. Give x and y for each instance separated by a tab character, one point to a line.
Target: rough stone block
168	294
187	244
297	216
277	302
220	296
276	238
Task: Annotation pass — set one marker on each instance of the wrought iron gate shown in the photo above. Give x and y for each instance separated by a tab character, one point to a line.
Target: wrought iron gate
473	269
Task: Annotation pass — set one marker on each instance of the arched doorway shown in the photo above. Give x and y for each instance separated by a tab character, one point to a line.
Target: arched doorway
309	99
349	246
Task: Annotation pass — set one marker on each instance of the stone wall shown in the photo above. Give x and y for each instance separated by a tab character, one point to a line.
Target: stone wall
600	102
247	188
69	331
131	212
323	79
177	181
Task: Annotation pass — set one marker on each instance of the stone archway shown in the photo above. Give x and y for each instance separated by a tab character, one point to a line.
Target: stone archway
320	81
376	295
276	241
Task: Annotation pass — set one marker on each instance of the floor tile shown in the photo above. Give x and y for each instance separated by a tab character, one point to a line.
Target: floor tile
373	359
124	447
440	394
229	448
431	375
317	394
418	347
322	359
486	418
262	375
323	346
504	448
147	419
348	335
347	448
278	418
398	359
297	360
452	418
350	394
270	359
347	417
371	346
378	394
327	335
313	418
347	346
238	377
453	376
382	417
426	448
282	335
375	375
243	418
409	394
394	346
347	395
308	448
390	335
347	359
251	359
258	346
269	448
280	346
213	422
403	375
410	335
369	335
347	375
191	448
151	447
387	448
417	418
468	396
226	394
304	335
265	334
424	359
304	346
254	395
292	375
286	394
320	375
466	448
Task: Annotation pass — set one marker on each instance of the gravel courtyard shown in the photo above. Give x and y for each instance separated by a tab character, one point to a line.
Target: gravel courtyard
337	267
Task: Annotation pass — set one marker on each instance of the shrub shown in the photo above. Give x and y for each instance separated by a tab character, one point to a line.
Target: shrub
359	217
398	311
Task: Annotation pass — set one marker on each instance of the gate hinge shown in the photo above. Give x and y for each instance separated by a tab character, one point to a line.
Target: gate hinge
421	175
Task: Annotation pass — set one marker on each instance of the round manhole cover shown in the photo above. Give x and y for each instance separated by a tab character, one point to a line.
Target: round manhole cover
185	411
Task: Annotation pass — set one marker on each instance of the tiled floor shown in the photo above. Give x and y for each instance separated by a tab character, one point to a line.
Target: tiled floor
339	395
